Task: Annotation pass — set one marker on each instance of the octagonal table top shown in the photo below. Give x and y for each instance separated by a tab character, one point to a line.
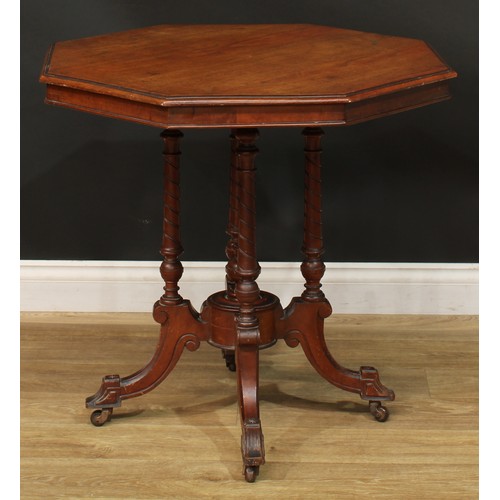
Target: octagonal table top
244	75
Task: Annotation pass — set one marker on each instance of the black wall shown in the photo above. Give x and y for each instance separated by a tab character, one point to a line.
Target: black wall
399	189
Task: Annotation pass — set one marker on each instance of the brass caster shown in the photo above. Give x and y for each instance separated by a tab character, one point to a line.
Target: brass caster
379	412
251	473
100	417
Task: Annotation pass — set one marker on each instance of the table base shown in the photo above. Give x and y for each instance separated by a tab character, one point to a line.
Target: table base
242	319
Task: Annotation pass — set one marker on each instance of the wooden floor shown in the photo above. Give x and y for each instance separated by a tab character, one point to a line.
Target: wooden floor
182	439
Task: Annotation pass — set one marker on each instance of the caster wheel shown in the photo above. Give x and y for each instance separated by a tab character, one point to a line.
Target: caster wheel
251	473
229	358
100	417
379	412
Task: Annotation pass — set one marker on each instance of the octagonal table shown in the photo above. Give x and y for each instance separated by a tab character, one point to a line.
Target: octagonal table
243	77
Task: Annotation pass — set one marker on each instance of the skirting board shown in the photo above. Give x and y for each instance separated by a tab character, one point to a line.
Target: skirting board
352	288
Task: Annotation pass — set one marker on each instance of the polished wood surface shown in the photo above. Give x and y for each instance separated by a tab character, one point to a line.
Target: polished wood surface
244	75
182	440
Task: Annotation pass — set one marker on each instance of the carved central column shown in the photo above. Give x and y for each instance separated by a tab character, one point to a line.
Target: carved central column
247	267
247	292
233	222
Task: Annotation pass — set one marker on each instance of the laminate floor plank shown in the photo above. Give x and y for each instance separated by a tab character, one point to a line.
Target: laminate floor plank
182	439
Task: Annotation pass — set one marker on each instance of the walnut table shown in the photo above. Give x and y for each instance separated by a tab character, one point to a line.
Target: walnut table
243	77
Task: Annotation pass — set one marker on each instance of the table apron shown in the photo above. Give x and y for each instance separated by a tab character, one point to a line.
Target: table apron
258	115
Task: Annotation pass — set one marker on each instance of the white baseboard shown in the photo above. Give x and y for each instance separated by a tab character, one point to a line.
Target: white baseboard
352	288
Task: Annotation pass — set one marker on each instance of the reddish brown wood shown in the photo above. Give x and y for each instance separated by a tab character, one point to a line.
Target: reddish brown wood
252	75
312	267
181	326
171	268
221	312
241	77
231	247
248	293
233	223
302	324
303	319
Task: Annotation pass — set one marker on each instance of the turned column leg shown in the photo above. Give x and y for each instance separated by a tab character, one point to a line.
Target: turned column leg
303	321
171	249
312	267
181	326
233	222
247	294
232	243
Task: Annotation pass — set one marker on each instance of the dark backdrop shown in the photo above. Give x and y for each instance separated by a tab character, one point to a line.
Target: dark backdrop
399	189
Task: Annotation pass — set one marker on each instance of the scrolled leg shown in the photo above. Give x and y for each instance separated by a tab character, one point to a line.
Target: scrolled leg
252	439
303	321
176	322
181	326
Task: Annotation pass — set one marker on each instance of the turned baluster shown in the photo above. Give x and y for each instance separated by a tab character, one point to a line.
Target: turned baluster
247	267
312	267
233	222
171	249
247	293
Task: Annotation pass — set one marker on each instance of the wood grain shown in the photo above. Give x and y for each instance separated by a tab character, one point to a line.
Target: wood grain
156	64
182	440
244	75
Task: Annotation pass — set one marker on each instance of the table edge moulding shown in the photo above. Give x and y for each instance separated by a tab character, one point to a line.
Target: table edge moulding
365	101
243	77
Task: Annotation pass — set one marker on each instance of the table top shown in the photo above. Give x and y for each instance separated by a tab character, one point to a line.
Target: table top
244	75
